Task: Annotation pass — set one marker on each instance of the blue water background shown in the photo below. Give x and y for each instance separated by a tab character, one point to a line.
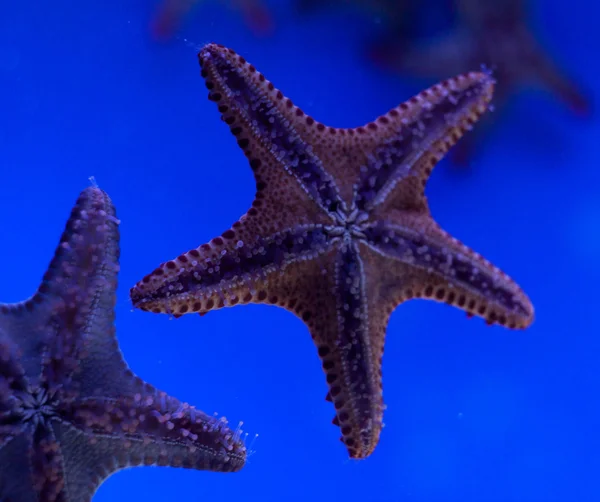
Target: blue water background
474	413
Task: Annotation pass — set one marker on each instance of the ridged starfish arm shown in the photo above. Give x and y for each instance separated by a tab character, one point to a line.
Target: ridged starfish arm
431	264
281	142
147	428
406	143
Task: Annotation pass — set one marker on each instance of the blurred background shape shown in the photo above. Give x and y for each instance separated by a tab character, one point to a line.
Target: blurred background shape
434	39
495	35
171	15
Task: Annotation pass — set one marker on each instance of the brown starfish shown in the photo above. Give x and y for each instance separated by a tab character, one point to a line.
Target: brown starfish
339	232
71	411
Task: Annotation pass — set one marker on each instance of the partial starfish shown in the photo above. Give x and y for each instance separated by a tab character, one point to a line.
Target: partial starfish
71	411
171	13
494	34
339	232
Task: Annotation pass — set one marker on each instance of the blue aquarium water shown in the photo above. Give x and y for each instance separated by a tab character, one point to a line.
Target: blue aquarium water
474	413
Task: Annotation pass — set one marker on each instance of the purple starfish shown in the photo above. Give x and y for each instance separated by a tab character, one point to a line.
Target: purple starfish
71	411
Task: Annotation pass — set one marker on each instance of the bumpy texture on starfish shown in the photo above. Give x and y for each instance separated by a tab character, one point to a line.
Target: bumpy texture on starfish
339	232
71	411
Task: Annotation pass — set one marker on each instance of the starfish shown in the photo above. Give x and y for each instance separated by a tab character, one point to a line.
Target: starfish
491	33
339	232
71	411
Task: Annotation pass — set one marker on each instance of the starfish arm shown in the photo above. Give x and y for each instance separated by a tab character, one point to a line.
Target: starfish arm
350	346
413	137
330	296
283	145
227	271
83	276
148	428
430	264
73	270
95	364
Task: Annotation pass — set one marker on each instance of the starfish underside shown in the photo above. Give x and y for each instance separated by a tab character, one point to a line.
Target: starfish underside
339	232
71	411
